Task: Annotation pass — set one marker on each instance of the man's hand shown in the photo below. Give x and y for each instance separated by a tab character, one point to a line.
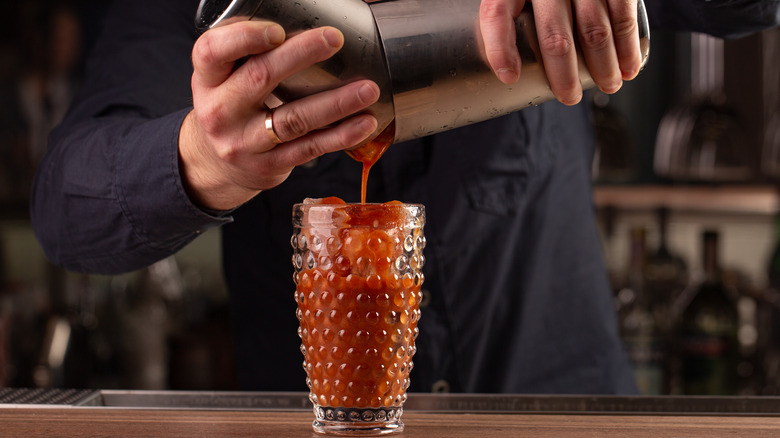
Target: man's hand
607	32
227	156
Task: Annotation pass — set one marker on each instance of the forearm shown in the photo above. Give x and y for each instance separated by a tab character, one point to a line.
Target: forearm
108	196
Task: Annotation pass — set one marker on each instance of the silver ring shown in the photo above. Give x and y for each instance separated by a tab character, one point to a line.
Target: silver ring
269	127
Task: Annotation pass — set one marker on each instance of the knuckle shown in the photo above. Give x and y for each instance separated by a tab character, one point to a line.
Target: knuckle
292	125
492	10
343	106
557	43
595	37
212	116
625	28
311	47
204	52
312	150
257	73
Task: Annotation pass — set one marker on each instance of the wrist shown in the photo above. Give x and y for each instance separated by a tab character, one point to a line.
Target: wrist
207	184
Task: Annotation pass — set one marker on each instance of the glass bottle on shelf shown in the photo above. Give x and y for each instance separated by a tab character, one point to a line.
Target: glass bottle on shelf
666	276
708	343
614	148
638	329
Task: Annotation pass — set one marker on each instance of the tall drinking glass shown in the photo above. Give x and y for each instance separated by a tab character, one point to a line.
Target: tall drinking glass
358	277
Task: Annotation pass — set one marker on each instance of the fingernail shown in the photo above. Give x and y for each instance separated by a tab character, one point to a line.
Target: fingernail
611	88
367	94
367	125
333	37
629	74
274	34
572	101
507	75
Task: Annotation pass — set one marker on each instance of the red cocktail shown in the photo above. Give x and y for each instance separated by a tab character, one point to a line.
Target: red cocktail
358	277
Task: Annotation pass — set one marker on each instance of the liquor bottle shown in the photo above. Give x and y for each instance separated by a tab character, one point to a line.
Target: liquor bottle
614	148
708	343
666	277
638	330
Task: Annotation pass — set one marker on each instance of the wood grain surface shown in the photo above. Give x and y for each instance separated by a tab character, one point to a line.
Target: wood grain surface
121	422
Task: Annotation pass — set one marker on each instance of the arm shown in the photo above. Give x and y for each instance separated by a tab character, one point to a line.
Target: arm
134	173
87	208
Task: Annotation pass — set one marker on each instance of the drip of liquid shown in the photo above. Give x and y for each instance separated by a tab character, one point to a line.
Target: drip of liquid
369	153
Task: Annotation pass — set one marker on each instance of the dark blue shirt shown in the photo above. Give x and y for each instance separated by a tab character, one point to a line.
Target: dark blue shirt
517	298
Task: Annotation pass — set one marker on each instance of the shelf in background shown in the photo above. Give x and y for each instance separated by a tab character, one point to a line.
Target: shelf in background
725	199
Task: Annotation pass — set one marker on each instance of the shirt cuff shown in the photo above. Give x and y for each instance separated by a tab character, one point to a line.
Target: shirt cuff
151	192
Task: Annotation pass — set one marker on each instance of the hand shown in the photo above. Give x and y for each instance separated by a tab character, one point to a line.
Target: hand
607	31
226	154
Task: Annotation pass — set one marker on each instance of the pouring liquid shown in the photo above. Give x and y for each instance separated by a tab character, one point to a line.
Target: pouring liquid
369	153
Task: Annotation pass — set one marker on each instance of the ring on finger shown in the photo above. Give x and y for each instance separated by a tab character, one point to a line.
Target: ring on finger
269	127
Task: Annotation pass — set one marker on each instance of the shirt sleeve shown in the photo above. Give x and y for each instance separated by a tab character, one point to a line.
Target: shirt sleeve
108	196
722	18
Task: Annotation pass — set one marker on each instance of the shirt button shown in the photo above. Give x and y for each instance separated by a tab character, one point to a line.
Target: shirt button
441	386
426	298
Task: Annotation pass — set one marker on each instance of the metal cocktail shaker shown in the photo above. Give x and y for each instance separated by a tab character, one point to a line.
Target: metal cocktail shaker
426	56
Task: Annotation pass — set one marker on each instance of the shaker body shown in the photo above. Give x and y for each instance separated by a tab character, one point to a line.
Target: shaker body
439	73
426	56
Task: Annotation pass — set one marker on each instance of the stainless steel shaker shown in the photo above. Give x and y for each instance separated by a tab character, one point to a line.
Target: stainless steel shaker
426	56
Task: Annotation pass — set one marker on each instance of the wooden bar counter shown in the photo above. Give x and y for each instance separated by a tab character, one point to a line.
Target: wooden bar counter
280	415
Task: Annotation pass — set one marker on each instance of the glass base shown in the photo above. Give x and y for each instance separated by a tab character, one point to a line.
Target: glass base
357	422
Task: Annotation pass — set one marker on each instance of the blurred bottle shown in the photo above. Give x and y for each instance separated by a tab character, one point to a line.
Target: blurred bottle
638	329
614	148
708	343
770	154
769	322
666	276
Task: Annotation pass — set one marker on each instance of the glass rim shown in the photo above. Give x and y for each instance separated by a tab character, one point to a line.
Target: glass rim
358	204
318	215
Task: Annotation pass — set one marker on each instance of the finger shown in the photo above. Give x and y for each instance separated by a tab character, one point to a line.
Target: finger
625	28
556	42
497	26
244	91
345	135
261	73
216	51
298	118
594	32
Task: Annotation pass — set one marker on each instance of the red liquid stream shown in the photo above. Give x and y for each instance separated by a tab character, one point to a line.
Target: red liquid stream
369	153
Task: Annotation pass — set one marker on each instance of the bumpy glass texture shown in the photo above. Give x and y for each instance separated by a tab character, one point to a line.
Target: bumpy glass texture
358	277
